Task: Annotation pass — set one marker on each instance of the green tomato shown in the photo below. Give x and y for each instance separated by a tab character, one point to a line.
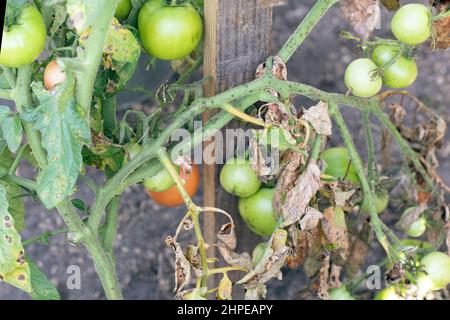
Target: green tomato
388	293
257	211
237	177
123	9
338	160
169	32
340	293
418	227
401	74
258	253
160	182
24	41
436	271
381	202
359	78
411	24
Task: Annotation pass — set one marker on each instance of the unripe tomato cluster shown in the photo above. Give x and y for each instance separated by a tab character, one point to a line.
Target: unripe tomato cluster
255	202
388	63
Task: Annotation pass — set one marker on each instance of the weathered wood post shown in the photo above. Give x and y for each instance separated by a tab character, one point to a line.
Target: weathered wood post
238	39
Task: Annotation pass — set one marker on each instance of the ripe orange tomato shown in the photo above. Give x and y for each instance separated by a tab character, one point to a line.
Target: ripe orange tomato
171	197
53	75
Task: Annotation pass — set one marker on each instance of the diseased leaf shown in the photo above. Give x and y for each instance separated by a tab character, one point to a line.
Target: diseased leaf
13	267
411	216
298	198
83	14
227	244
391	5
182	266
42	287
335	232
363	15
256	293
64	131
311	219
319	118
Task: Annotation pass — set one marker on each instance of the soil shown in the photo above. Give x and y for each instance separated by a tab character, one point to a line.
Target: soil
144	263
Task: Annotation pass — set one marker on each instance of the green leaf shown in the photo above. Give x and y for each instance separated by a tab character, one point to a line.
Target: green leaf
120	59
64	131
42	287
11	128
6	160
80	205
13	267
14	195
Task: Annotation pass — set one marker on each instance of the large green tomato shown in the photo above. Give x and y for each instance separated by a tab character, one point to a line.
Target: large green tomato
24	41
418	227
257	211
237	177
381	202
436	271
123	9
401	74
169	32
338	160
360	78
411	24
160	182
340	293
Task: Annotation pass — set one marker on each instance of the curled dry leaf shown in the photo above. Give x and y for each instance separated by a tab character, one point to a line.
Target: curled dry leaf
263	164
442	33
279	69
227	244
334	229
193	256
182	266
291	162
396	273
298	198
311	219
412	216
270	265
319	118
320	285
358	249
256	293
363	15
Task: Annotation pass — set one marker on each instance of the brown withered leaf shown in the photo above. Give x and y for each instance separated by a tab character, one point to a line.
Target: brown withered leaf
291	163
193	256
391	5
334	229
227	244
412	216
298	198
363	15
334	277
279	69
321	285
311	219
397	113
182	266
396	273
319	118
442	32
264	165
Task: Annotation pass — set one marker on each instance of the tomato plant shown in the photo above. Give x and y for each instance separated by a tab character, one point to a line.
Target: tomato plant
257	211
411	24
169	32
401	74
237	177
24	40
67	119
361	79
